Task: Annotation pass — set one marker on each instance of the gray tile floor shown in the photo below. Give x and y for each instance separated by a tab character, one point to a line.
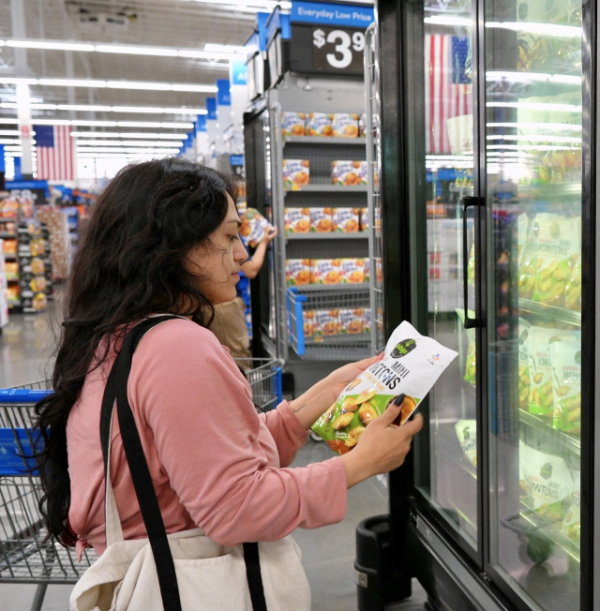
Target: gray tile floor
26	346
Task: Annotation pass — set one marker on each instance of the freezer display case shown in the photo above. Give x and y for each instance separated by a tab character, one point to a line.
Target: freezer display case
497	180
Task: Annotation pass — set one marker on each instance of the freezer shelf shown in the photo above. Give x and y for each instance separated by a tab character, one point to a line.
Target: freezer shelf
571	443
550	312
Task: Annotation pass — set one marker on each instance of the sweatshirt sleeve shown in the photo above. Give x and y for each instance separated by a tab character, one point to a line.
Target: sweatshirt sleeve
206	432
287	431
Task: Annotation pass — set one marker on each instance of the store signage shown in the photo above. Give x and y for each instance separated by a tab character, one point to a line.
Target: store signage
201	123
338	49
332	14
211	108
239	73
31	190
236	160
223	92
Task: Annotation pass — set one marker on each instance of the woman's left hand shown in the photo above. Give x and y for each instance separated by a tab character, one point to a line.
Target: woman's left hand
340	378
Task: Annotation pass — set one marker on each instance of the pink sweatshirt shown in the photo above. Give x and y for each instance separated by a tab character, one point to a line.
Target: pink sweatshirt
214	461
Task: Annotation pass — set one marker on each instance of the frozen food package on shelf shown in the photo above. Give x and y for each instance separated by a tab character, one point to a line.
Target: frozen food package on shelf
328	322
539	339
254	227
466	432
410	367
345	125
296	174
367	320
346	220
364	219
362	125
354	271
310	323
298	271
524	374
548	483
571	526
351	321
319	124
11	270
349	173
378	270
293	123
297	220
565	356
550	260
522	231
327	271
321	220
471	359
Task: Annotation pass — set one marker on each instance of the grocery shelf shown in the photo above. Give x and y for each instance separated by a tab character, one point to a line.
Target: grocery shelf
540	424
551	312
356	235
336	350
5	235
328	189
324	140
556	190
329	287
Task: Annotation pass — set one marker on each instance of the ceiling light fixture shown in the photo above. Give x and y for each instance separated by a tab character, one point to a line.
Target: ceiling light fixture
98	108
82	123
219	53
138	135
117	143
253	6
95	83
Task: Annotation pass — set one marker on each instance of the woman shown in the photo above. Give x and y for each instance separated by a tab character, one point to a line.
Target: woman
163	237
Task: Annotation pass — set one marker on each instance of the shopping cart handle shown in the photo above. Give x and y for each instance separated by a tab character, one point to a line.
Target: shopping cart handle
21	395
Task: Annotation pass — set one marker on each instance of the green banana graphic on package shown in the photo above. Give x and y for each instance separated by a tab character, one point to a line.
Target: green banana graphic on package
411	365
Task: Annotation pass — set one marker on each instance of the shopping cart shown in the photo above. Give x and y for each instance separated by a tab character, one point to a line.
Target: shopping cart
24	555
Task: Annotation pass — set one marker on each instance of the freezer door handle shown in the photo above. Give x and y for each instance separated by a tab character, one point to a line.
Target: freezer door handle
479	203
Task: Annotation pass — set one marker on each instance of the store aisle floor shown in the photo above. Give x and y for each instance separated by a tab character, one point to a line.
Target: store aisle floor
328	554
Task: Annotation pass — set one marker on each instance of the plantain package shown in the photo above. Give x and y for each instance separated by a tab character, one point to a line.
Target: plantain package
411	365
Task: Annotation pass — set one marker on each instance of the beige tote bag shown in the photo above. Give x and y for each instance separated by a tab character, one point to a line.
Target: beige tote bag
208	576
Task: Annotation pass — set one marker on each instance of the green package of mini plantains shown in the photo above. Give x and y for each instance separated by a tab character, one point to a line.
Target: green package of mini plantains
411	365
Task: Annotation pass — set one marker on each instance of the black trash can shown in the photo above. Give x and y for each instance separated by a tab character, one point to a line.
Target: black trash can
373	566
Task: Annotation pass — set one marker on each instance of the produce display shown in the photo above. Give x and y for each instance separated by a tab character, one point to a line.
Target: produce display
411	365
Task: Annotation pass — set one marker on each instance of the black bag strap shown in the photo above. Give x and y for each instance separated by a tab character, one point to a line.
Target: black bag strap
116	388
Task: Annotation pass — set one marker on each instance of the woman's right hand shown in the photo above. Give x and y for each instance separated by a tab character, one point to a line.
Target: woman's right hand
382	447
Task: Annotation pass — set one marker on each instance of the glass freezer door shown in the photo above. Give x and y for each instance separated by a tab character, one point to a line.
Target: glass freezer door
447	449
533	98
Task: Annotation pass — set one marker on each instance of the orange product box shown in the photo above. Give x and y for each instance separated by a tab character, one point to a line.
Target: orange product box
366	316
254	226
345	125
319	124
321	220
297	220
346	220
362	125
293	123
352	321
310	323
354	271
349	173
327	271
11	270
298	271
328	322
296	174
378	270
10	247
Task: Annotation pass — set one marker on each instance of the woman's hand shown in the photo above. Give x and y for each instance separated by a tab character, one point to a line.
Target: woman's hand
340	378
382	447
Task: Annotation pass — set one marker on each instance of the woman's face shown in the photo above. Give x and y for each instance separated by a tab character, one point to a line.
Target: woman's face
218	261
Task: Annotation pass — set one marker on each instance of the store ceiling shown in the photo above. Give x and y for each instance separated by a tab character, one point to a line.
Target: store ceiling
167	23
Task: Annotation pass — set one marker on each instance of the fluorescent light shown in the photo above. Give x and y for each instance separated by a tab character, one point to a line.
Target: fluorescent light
135	50
524	77
95	83
99	108
537	138
545	29
164	125
530	147
9	121
10	132
536	106
146	143
138	135
450	20
225	48
50	45
152	124
159	151
539	126
249	5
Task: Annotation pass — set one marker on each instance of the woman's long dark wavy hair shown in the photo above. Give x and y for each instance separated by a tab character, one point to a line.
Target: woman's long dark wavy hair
129	265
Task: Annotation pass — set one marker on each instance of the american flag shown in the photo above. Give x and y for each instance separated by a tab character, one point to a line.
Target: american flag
448	89
55	152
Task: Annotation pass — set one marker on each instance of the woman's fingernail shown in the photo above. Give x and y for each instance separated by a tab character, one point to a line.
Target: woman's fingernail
380	352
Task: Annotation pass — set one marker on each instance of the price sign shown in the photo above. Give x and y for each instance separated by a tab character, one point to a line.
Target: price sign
335	50
338	48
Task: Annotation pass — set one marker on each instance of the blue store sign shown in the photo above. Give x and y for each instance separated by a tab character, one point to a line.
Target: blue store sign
332	14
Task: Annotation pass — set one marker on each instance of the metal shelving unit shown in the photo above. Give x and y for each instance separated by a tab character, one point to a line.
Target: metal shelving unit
317	188
359	235
324	140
